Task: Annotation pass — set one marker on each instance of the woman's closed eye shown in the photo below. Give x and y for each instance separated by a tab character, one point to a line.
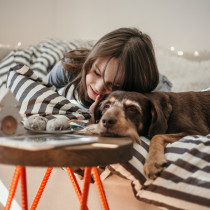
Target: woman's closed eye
97	73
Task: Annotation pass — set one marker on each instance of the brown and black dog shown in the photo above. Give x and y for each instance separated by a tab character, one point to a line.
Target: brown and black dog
163	117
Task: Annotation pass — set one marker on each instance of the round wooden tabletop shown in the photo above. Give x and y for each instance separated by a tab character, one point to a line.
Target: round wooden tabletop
104	152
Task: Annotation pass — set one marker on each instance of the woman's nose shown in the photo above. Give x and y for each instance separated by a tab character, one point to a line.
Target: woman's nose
100	88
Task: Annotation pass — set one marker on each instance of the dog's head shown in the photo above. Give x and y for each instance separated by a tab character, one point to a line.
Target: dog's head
123	113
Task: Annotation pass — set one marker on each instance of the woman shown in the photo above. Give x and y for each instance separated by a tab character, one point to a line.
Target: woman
122	59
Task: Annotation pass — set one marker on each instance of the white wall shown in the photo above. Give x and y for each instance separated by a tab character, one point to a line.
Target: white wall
181	23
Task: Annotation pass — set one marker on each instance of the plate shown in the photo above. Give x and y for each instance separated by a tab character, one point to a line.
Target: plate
48	132
45	141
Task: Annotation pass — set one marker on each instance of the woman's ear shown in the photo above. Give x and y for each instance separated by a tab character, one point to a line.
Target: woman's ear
160	113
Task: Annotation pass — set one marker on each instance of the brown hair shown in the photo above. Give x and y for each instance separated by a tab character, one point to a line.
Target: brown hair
137	66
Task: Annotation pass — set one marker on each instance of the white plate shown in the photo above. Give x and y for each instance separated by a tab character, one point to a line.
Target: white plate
48	132
45	141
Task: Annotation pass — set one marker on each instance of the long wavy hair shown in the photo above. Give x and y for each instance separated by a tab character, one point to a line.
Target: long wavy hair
137	67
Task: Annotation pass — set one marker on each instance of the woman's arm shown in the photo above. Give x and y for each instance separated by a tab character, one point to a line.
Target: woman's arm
58	76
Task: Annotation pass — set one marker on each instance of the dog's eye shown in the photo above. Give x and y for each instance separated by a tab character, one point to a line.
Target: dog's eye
107	106
132	109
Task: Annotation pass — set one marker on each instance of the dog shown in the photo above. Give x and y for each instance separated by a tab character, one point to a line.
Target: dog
164	117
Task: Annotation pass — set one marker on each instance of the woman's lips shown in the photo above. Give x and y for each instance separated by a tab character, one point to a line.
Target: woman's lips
94	92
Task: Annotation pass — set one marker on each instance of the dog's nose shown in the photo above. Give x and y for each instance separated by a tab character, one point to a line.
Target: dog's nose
108	122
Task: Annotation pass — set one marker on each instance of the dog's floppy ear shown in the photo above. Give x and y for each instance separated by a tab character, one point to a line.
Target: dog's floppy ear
97	110
160	112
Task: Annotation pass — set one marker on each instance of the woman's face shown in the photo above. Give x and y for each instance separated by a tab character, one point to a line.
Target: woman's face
99	82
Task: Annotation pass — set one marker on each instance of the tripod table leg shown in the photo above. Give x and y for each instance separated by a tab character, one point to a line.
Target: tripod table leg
99	185
75	183
41	189
13	187
87	177
23	186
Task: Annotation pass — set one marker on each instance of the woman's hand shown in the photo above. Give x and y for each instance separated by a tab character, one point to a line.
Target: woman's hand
92	107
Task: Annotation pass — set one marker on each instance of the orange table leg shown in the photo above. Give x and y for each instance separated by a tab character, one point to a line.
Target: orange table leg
87	177
20	172
23	186
75	183
41	189
13	187
99	185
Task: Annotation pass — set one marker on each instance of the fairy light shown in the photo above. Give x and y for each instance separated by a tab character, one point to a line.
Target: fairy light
5	45
196	53
172	48
19	44
180	53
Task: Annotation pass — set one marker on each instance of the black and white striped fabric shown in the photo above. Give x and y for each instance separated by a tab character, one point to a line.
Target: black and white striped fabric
36	97
40	58
184	183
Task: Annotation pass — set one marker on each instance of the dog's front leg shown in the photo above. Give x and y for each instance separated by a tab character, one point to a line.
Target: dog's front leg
91	129
156	160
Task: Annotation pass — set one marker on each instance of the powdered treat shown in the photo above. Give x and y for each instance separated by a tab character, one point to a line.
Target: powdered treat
61	123
36	122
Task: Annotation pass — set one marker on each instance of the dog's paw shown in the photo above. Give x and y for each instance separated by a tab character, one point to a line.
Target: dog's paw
154	165
36	122
61	123
89	130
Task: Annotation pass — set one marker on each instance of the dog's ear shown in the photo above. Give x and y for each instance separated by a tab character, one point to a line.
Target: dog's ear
160	112
97	109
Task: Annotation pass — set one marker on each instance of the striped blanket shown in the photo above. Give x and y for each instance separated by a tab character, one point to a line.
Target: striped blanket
185	182
37	97
40	58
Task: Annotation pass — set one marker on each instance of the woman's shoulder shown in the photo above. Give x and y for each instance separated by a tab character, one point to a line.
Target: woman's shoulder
58	76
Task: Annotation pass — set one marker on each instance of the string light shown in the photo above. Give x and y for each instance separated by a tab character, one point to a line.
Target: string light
180	53
196	53
5	45
172	48
185	54
19	44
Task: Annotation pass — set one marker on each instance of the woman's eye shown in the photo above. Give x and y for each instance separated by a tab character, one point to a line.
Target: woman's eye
97	73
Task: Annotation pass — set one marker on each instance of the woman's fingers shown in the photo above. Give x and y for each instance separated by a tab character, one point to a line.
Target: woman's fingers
92	107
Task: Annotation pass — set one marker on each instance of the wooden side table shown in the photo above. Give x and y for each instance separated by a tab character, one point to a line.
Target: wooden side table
106	151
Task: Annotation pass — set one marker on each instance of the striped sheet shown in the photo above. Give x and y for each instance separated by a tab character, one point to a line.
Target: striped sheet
40	58
184	183
37	98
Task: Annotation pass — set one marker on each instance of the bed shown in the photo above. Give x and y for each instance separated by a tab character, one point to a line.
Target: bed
185	182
